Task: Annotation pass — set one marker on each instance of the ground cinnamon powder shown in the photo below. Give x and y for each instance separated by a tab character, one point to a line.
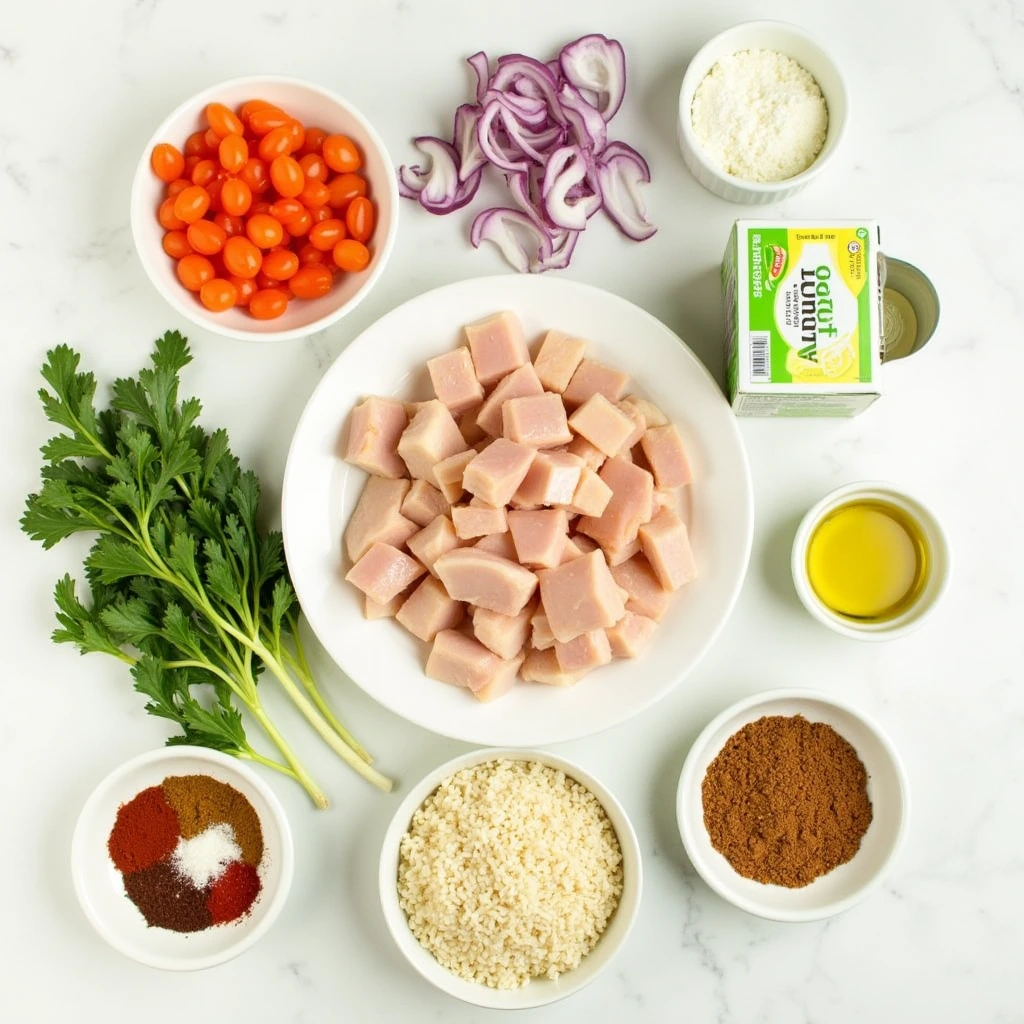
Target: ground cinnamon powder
786	800
201	801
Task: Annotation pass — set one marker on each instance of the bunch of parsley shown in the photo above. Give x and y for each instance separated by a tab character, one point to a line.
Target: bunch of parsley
186	589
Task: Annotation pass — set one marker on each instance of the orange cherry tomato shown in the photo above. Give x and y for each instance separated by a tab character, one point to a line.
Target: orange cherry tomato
241	257
300	224
218	294
230	223
265	119
246	109
212	140
286	210
215	190
223	120
314	193
321	213
195	145
268	303
245	288
167	217
341	153
191	203
298	133
344	188
206	237
360	218
174	187
261	206
311	281
233	152
314	167
176	244
314	141
204	172
264	231
194	271
327	233
286	176
256	174
280	264
190	165
310	254
262	281
236	197
351	255
277	142
167	161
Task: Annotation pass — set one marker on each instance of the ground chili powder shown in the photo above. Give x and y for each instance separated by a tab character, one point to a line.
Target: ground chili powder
786	800
145	831
233	893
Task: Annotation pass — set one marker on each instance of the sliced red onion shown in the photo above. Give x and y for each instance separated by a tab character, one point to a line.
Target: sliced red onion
587	122
596	66
565	169
464	138
438	186
620	172
481	67
520	240
494	141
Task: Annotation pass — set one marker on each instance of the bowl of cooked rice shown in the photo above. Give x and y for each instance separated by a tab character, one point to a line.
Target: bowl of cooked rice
510	878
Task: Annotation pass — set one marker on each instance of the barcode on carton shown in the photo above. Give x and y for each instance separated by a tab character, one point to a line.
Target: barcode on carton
760	357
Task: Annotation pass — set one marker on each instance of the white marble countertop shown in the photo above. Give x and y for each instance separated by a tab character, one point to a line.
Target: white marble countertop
934	152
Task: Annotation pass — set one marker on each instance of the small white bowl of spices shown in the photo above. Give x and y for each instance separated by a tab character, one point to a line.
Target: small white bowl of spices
762	110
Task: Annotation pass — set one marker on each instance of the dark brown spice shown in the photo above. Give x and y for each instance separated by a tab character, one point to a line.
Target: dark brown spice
786	801
201	801
167	900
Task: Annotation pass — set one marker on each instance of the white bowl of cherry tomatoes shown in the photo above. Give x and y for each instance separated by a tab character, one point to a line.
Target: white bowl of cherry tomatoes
264	208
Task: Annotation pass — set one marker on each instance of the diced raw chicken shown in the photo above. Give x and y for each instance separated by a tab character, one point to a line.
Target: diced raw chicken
480	578
666	546
468	426
518	384
579	596
454	380
411	408
372	610
591	496
629	507
623	552
543	667
501	682
536	420
429	609
604	425
434	540
570	550
593	458
424	503
630	635
664	449
639	425
541	636
448	474
498	544
584	543
671	499
497	346
378	517
586	652
646	595
478	520
495	473
431	437
653	416
506	635
375	428
551	480
539	536
384	572
592	378
462	661
557	360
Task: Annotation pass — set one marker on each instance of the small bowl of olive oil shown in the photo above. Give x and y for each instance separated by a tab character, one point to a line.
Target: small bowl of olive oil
870	561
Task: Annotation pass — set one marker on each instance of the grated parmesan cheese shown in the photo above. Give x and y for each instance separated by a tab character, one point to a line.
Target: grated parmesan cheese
760	116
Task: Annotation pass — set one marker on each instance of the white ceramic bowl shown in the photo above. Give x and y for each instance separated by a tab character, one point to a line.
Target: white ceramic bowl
314	106
538	992
847	884
805	50
100	887
938	554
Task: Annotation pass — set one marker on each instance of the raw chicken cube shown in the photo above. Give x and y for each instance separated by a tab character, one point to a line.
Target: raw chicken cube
501	682
478	520
570	550
630	635
551	480
666	546
539	536
497	346
434	540
543	667
424	503
584	543
646	594
541	636
604	425
495	473
664	449
429	609
448	474
616	555
591	496
653	416
469	428
639	426
536	420
557	360
579	596
629	507
431	437
384	572
454	380
462	661
592	378
378	517
498	544
519	383
593	458
480	578
372	610
672	499
586	652
375	428
506	635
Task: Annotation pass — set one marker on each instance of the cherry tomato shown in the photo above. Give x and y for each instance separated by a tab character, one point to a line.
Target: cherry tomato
310	282
321	213
277	142
233	152
314	140
360	218
351	255
191	203
313	167
174	187
176	244
194	271
204	172
280	264
264	231
223	120
298	134
230	223
315	193
286	209
212	140
262	206
206	237
341	153
286	176
167	161
299	225
310	254
218	294
245	287
190	165
246	109
241	257
268	303
167	217
344	188
236	197
327	233
262	281
265	119
215	190
195	145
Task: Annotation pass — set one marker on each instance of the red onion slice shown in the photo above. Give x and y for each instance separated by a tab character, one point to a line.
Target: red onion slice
620	171
596	65
520	240
564	171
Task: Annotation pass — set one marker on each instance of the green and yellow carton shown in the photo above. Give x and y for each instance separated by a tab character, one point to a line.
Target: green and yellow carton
803	335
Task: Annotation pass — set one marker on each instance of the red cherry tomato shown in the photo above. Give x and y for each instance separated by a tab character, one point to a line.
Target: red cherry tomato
299	225
341	153
245	287
256	174
351	255
311	281
314	140
310	254
195	145
314	167
360	218
218	294
174	187
194	271
231	223
241	257
321	213
167	161
268	303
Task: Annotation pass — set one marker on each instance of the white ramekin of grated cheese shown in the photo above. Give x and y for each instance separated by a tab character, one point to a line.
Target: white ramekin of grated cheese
728	156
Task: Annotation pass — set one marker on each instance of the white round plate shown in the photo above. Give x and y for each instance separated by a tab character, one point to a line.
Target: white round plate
320	492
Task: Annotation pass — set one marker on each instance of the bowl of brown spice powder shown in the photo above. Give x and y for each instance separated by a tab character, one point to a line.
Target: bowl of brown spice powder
792	805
